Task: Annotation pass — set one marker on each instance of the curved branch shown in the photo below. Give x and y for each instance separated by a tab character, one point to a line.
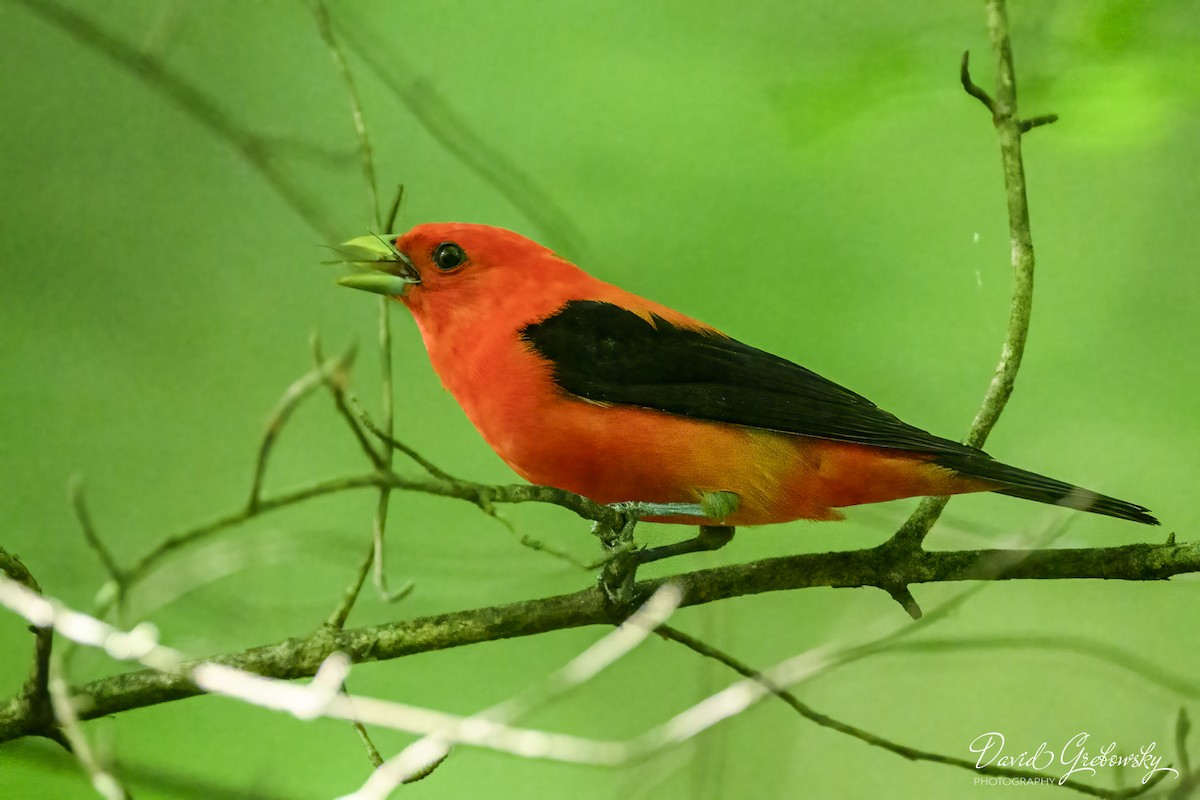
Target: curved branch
1003	108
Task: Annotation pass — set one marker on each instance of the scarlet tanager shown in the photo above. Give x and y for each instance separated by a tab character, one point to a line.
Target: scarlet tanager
581	385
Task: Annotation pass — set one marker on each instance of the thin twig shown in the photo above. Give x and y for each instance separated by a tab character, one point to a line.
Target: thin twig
1008	130
336	383
461	490
384	461
976	91
395	444
365	737
337	619
291	399
825	721
79	506
360	127
191	536
1003	108
1027	125
379	525
389	223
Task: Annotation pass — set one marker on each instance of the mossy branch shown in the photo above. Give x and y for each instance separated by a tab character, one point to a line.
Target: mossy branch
878	567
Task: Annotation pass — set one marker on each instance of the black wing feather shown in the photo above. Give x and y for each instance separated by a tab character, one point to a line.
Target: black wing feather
609	354
605	353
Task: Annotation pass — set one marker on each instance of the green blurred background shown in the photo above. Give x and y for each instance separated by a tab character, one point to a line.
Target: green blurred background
808	177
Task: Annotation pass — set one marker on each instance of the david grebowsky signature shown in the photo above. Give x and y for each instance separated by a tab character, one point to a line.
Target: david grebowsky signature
1075	756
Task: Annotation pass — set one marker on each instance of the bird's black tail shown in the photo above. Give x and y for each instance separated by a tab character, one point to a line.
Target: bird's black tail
1031	486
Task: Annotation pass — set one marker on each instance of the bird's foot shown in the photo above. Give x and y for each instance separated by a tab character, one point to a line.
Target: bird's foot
619	569
710	537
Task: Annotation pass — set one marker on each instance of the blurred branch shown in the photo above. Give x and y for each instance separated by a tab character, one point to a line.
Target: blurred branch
255	149
911	753
325	695
79	505
379	523
416	760
366	154
291	399
456	133
1131	662
67	723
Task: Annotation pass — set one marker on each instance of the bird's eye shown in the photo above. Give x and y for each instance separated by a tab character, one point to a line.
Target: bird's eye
448	256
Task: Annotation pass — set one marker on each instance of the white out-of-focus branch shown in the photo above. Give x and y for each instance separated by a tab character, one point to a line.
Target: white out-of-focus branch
103	781
320	698
418	757
489	729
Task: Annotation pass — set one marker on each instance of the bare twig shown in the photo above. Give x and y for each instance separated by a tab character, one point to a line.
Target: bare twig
482	499
379	525
366	155
389	223
384	460
1183	726
462	490
1026	125
971	88
874	740
336	383
1008	130
79	506
395	444
337	619
291	399
1003	108
190	536
365	737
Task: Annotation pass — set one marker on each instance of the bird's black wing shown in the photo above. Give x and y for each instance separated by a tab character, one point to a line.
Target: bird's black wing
604	353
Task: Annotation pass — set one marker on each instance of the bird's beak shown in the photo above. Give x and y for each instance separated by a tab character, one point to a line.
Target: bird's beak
384	269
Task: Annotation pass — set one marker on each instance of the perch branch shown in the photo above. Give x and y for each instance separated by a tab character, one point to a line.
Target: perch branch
300	657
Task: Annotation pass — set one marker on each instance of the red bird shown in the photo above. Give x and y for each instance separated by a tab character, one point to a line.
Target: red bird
581	385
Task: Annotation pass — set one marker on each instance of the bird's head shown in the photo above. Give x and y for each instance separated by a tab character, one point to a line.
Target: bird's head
450	259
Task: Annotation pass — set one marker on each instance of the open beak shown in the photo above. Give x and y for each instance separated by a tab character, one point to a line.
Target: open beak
383	268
